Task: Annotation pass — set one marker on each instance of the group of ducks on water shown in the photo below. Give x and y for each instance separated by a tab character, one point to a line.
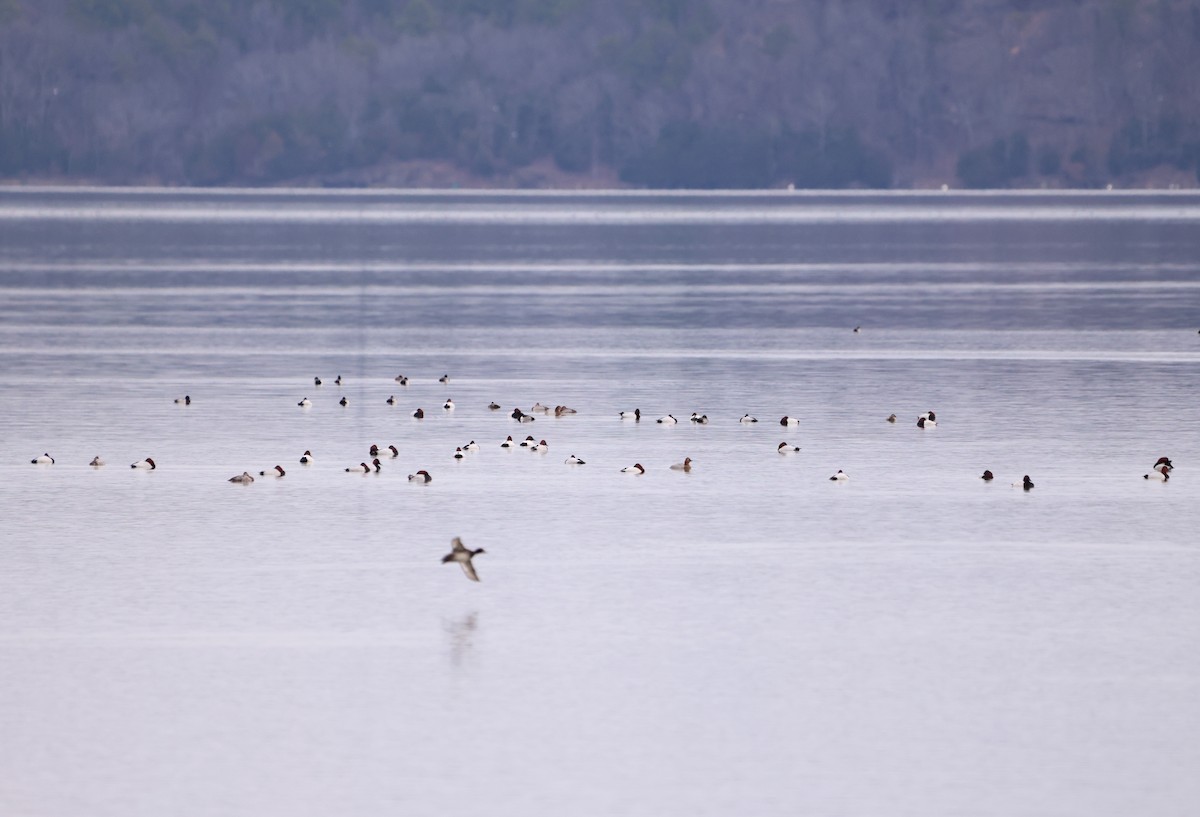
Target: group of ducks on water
1161	470
926	420
145	465
421	477
1025	483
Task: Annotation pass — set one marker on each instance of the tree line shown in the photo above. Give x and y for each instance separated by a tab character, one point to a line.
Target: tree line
656	93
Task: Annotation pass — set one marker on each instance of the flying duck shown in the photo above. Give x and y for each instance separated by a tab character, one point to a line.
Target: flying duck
463	555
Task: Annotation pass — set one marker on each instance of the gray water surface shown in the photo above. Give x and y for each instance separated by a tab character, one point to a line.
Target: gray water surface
745	638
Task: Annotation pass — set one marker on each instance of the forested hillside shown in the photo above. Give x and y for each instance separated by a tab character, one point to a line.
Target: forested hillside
658	93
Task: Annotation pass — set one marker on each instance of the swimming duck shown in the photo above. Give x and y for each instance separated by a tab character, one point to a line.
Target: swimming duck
784	448
857	329
458	453
471	446
463	555
146	464
361	468
700	419
339	380
1161	473
421	477
573	460
988	476
444	378
528	442
343	401
448	405
43	459
378	465
1025	483
669	420
391	401
840	476
521	417
316	381
96	462
401	379
559	411
186	400
244	478
926	422
306	458
494	406
746	418
636	468
390	451
277	471
891	418
1164	461
540	447
419	414
538	407
634	415
686	465
789	421
928	415
305	403
508	443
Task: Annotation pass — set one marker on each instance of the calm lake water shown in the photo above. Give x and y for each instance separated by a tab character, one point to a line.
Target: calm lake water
746	638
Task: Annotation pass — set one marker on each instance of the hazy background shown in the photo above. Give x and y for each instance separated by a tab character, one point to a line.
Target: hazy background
660	93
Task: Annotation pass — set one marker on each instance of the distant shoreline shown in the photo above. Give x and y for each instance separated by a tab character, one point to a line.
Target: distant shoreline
544	176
